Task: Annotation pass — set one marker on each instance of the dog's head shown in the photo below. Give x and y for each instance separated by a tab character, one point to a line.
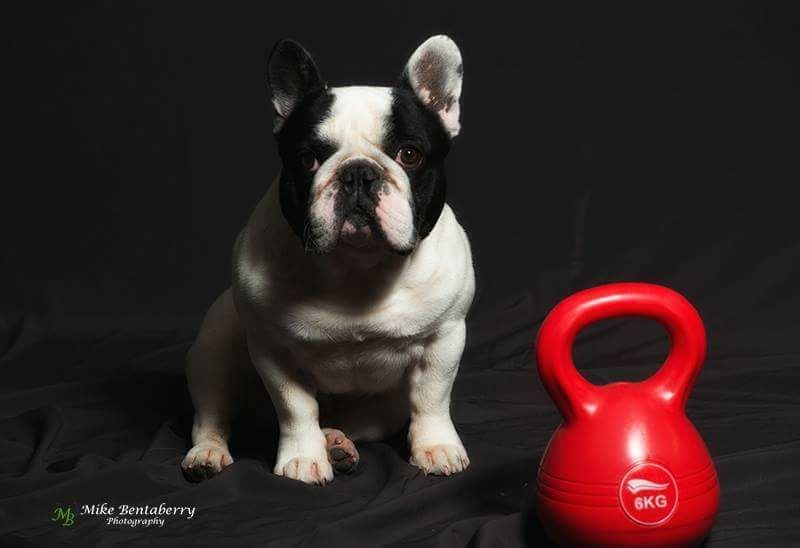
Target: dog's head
363	166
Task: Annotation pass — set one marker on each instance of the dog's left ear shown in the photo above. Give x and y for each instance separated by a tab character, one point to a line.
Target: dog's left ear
434	72
291	76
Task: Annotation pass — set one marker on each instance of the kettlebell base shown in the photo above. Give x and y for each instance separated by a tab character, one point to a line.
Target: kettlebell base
577	525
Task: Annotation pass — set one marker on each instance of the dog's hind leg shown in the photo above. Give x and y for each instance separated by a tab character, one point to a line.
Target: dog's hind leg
210	368
349	418
342	452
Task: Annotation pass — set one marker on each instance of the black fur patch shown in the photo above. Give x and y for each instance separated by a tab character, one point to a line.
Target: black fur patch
297	135
411	123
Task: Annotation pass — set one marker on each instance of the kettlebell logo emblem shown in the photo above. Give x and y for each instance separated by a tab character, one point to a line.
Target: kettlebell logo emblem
648	494
637	485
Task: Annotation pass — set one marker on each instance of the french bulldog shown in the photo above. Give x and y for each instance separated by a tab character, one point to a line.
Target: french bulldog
351	280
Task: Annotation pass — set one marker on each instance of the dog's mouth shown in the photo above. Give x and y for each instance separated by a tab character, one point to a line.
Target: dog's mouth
358	230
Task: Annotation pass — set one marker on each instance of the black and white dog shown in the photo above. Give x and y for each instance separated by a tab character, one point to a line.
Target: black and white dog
352	277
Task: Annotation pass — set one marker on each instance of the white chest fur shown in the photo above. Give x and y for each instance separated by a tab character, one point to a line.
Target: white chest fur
352	332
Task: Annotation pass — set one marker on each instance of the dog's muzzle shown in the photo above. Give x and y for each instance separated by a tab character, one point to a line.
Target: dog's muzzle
359	183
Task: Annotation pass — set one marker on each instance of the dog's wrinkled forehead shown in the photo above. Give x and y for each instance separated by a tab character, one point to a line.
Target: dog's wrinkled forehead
358	117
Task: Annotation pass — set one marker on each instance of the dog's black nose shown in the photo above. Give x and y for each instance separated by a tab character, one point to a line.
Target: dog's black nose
358	174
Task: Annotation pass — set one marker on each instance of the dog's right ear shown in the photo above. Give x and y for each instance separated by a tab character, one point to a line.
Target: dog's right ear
291	76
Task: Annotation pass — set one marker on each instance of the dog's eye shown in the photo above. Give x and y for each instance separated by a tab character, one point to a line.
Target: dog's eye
408	156
308	161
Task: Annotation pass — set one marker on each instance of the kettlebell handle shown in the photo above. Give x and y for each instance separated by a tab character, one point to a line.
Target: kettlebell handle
572	393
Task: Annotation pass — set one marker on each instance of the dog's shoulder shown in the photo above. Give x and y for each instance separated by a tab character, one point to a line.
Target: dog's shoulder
441	272
261	256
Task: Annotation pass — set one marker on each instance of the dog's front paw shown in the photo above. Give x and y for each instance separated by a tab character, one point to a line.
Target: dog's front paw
441	459
313	470
305	460
206	460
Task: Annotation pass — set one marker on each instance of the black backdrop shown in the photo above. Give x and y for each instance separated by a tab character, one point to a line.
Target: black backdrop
650	141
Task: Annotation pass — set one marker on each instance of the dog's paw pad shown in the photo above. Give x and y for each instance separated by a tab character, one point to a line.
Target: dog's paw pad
342	452
205	461
440	460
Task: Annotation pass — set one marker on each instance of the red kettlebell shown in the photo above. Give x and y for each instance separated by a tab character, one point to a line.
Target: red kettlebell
625	467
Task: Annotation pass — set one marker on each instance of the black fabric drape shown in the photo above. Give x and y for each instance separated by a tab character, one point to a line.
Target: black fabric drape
650	142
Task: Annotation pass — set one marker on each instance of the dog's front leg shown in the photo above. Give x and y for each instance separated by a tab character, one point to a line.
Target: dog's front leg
435	445
301	448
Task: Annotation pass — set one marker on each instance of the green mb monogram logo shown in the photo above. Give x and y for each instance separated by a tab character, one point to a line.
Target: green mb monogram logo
64	515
